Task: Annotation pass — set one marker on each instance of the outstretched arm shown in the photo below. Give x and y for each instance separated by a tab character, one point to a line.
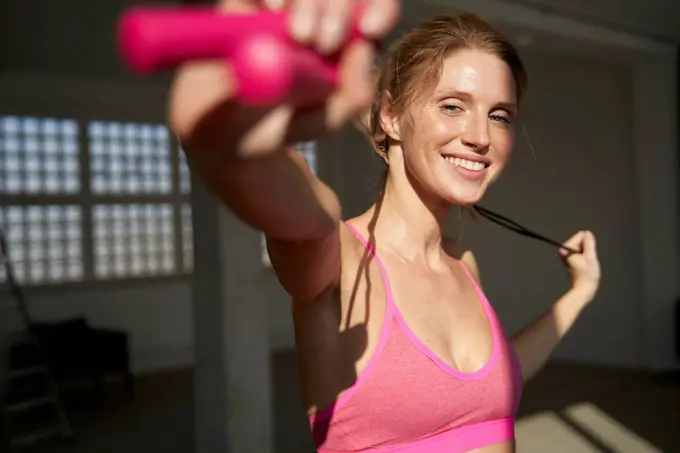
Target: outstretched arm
241	151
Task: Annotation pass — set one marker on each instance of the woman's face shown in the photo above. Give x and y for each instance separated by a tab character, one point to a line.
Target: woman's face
457	138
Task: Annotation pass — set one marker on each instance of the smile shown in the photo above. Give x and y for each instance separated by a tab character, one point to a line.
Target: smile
466	164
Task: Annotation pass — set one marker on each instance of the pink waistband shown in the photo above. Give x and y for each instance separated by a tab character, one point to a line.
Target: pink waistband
459	440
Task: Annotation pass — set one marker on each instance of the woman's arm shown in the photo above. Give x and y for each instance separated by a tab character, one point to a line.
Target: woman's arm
536	343
277	194
240	150
299	214
240	156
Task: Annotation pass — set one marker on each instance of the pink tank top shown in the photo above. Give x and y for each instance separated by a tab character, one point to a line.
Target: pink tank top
407	400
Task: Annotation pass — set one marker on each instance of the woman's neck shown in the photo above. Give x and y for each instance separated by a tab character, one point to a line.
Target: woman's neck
407	223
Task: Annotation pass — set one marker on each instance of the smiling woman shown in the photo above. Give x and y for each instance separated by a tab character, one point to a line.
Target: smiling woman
453	74
399	350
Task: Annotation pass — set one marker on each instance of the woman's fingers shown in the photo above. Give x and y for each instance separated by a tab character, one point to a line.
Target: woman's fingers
238	6
324	24
356	90
573	243
334	25
351	97
380	17
589	245
304	16
274	5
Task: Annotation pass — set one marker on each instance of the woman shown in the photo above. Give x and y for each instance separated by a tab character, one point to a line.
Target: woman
399	350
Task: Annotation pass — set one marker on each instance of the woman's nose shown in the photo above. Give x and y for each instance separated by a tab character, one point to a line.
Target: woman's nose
476	133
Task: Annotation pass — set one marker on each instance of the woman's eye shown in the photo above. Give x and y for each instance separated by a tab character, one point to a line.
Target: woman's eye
500	119
450	108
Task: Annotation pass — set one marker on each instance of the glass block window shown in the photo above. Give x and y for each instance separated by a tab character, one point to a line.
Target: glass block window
131	202
44	242
133	240
128	158
38	156
308	150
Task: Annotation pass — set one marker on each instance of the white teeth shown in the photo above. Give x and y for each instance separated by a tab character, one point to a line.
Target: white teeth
467	164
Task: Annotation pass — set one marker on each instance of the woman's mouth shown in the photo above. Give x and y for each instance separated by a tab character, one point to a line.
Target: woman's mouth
465	164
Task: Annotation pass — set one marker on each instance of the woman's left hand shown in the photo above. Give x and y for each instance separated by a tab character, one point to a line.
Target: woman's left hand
584	267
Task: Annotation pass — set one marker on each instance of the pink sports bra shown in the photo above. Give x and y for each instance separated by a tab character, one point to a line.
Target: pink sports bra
407	400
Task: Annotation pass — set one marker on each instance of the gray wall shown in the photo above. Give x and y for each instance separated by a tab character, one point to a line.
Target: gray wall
579	176
656	17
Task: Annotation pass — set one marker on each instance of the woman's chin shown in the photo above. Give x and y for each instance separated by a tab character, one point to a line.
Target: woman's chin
463	189
464	196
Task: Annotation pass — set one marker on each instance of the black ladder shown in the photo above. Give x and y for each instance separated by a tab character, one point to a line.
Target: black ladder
32	410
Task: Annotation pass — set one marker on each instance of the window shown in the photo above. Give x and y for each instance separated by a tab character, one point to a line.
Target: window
40	163
45	242
133	239
93	200
134	163
129	159
38	156
307	149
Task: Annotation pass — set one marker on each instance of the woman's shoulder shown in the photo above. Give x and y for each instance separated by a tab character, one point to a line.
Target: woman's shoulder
356	234
356	240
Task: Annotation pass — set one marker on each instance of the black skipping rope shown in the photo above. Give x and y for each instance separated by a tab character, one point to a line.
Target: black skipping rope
517	228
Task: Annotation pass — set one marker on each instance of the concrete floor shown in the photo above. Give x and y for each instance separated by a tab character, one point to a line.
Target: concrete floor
567	409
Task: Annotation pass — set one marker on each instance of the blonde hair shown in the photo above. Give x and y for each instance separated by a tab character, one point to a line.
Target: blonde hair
414	63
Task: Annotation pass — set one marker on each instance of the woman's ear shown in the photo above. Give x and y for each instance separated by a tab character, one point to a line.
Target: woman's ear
388	117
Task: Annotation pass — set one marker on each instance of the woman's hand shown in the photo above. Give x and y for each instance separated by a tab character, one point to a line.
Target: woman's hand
204	115
584	267
324	24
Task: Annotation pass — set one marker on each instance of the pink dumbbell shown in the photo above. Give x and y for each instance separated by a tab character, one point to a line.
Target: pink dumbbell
268	65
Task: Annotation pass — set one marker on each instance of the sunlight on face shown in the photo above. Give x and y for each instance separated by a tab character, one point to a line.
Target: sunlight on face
457	138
